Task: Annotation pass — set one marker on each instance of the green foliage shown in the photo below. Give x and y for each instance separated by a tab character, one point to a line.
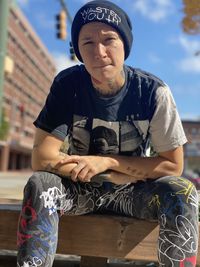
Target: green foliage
4	128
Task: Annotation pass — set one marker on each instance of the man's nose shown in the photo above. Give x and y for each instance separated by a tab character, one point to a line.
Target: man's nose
100	51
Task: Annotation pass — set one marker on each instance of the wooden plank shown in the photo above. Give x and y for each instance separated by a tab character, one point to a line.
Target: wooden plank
94	235
10	204
146	250
93	261
8	229
113	236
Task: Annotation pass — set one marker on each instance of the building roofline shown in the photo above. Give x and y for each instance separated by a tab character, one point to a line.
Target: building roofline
191	121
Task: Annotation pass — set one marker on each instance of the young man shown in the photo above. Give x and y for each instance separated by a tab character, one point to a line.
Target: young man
111	113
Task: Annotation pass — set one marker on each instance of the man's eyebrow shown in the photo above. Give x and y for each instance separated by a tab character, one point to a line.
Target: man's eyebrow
109	33
86	38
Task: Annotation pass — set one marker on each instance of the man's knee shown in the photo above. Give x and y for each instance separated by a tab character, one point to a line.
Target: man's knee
35	183
177	185
38	183
177	194
41	180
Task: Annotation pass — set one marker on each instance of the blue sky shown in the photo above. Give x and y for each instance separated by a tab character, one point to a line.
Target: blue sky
160	46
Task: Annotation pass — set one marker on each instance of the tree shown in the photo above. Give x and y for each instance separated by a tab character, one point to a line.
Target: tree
191	21
4	127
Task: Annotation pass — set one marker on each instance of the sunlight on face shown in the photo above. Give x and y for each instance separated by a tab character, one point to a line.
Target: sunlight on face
102	51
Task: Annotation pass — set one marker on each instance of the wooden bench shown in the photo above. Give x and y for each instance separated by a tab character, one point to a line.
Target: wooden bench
94	237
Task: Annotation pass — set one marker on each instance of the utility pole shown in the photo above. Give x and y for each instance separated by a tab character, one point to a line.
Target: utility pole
65	9
4	12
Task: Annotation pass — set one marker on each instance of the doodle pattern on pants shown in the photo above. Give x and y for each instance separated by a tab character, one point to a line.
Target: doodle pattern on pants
170	200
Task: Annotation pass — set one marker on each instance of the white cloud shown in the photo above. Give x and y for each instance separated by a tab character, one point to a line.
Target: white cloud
190	63
188	45
62	61
155	10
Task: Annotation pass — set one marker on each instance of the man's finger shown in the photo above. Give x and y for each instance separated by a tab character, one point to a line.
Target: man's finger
76	170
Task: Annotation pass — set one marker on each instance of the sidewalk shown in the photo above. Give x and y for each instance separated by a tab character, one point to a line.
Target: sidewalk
15	173
12	184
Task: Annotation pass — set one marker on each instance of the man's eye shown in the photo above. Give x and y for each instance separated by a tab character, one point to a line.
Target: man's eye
87	43
110	39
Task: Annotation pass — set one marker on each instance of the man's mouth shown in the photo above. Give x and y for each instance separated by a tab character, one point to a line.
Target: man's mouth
102	66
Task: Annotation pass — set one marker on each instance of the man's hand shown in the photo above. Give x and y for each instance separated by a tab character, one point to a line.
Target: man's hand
89	166
86	166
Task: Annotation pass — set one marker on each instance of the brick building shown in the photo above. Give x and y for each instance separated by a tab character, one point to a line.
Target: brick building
192	148
29	70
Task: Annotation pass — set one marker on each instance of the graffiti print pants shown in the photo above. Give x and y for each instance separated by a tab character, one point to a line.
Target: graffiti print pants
173	201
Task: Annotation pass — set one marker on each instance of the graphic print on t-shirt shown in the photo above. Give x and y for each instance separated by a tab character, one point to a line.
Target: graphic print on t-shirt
104	137
96	136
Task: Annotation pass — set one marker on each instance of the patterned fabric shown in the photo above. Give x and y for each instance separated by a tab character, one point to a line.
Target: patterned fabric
173	201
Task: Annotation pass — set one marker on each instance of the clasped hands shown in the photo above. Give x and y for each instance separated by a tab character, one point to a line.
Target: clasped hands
86	166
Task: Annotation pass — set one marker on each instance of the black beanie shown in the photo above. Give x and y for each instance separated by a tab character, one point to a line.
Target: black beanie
106	12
